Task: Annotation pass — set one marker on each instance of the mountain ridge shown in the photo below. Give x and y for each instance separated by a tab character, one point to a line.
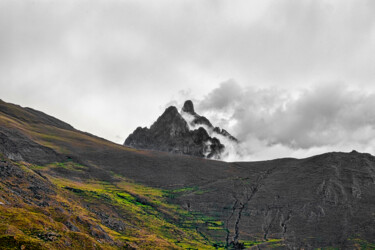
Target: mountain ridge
97	194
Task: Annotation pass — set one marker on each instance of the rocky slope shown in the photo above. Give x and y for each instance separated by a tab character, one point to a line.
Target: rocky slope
323	201
80	191
181	133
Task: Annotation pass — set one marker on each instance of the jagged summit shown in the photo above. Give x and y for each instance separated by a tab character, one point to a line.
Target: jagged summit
169	118
171	110
182	133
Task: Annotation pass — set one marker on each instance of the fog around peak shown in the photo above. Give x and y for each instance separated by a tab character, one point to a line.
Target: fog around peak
274	122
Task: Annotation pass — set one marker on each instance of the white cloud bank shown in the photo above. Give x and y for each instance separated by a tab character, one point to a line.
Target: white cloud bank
272	123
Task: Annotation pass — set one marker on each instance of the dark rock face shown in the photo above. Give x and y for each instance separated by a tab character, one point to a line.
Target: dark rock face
172	133
29	187
188	107
321	201
225	133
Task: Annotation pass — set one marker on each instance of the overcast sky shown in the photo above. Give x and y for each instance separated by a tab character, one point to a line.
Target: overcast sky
288	78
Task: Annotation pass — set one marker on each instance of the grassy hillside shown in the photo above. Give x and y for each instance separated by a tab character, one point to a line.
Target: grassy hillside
64	201
48	210
63	188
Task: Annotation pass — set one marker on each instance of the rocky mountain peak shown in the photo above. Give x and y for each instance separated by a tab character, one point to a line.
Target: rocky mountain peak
183	133
170	111
170	123
188	107
170	116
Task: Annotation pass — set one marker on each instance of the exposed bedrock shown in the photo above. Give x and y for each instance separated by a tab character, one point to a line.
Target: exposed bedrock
181	133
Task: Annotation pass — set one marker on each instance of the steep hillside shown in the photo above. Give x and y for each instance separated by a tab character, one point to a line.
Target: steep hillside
60	188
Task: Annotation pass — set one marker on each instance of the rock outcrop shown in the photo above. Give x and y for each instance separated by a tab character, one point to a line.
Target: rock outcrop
181	133
195	120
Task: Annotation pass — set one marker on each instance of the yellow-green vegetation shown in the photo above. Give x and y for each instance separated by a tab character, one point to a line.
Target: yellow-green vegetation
28	221
268	244
182	191
148	218
95	214
34	230
362	244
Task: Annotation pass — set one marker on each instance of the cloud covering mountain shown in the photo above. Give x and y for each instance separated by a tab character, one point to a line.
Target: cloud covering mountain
277	122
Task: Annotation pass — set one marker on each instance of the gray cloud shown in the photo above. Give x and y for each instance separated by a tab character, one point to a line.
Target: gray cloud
330	115
222	97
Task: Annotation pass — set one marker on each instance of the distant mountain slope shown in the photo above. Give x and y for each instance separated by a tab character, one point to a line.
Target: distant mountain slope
62	188
30	115
182	133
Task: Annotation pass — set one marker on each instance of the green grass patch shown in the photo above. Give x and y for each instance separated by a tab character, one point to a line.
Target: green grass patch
147	209
95	208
